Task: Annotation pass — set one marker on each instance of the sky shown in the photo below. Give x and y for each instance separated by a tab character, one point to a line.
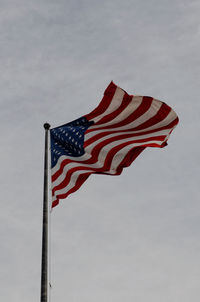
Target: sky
134	237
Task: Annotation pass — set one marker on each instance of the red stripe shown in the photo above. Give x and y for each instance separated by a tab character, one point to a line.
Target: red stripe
104	104
129	158
120	137
55	203
103	134
172	124
107	162
109	117
161	115
144	106
81	179
60	171
127	161
100	135
95	152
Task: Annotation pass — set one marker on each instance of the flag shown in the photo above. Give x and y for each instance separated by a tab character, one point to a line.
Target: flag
108	139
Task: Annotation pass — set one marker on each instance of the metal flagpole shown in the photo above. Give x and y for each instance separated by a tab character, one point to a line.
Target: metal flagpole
44	265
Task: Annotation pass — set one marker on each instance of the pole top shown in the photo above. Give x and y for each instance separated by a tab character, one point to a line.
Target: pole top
47	126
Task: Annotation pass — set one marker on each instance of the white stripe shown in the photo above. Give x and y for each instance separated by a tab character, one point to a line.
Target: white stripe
107	147
115	103
170	118
119	157
101	157
104	150
63	157
151	112
70	185
113	168
115	134
124	114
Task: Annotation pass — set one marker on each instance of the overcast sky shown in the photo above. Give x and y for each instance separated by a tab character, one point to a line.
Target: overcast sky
135	237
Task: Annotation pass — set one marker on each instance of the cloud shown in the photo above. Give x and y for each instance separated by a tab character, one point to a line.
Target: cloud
140	241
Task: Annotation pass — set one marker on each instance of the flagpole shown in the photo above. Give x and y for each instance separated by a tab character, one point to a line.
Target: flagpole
44	264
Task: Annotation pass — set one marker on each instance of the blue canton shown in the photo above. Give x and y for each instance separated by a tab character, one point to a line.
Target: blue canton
68	139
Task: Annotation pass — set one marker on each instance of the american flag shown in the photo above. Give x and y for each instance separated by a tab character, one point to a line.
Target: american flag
108	139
